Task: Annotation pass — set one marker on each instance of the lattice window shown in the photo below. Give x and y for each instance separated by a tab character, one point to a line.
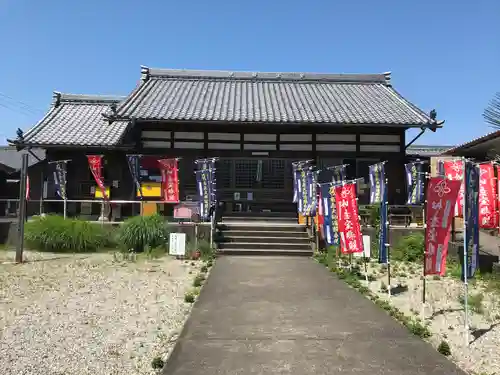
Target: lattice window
245	173
273	174
223	173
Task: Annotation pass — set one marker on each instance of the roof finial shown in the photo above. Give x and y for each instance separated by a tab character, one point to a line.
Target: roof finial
56	98
433	115
144	73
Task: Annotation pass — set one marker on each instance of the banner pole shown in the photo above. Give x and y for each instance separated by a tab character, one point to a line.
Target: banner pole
41	193
466	284
64	208
386	199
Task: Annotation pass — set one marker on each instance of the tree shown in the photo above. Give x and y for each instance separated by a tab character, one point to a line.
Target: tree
492	112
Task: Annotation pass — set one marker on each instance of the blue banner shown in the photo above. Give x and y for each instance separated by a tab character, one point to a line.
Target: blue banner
339	173
295	182
415	182
311	193
382	236
60	179
134	168
330	223
471	204
209	166
205	201
377	182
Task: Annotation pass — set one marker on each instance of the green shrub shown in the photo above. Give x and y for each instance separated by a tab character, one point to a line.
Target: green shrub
140	231
418	329
157	363
475	302
444	348
189	297
409	248
54	233
198	280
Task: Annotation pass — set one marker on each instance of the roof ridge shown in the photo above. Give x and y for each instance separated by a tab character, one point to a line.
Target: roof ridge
58	97
380	78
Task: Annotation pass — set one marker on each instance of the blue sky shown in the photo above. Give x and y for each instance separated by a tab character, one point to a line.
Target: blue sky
442	54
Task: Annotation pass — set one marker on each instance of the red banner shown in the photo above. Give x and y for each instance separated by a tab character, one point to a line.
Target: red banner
351	240
487	197
442	197
170	180
95	165
454	170
27	187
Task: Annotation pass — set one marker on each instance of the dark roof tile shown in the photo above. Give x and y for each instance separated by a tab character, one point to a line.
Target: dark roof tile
77	120
192	95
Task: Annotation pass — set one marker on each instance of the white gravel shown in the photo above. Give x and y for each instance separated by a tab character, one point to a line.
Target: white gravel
445	315
90	314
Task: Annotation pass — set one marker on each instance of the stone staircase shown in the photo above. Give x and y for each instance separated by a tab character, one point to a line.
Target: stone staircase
262	234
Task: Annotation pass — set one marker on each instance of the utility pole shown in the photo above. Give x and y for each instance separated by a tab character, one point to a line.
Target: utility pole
22	209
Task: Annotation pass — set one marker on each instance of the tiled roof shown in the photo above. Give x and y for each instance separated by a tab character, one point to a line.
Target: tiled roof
421	150
221	96
77	120
480	141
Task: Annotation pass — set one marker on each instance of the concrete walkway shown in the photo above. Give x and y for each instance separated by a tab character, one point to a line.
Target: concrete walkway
287	315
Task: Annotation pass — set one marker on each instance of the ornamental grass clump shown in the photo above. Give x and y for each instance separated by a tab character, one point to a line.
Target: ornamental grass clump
57	234
140	232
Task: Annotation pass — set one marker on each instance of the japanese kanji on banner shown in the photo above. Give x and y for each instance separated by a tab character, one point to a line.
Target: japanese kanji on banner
442	197
351	240
487	197
95	165
170	180
454	170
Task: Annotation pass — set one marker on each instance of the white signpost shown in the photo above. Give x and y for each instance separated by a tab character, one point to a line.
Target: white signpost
177	244
366	248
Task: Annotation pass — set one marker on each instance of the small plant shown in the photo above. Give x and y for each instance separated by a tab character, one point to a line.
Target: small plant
436	277
189	297
157	363
444	348
418	329
475	302
204	269
372	277
140	231
198	280
409	248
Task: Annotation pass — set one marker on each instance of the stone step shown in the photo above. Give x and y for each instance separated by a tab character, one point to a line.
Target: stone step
226	238
260	218
266	252
305	246
262	214
264	233
259	226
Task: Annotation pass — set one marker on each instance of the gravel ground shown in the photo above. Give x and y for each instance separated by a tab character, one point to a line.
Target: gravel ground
90	314
445	314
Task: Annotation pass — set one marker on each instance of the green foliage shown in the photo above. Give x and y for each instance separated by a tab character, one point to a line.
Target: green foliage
140	232
198	280
444	348
204	269
54	233
418	329
157	363
189	297
374	215
475	302
409	248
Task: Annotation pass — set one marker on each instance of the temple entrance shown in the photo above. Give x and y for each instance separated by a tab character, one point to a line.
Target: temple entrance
255	184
